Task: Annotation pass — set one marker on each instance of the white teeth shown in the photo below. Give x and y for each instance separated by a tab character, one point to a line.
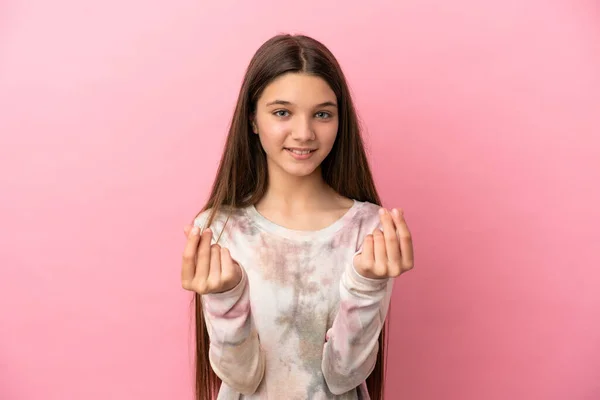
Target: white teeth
299	152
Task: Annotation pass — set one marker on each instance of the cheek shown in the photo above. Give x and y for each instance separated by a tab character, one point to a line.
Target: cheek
273	134
327	134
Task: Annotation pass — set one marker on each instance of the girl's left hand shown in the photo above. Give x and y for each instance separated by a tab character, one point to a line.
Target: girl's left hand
386	254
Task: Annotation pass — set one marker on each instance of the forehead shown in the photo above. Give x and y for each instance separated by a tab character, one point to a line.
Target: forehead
298	88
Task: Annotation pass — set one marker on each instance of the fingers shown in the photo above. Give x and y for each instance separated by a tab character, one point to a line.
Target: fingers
214	275
387	252
188	267
207	268
406	244
392	245
381	261
368	248
203	261
229	269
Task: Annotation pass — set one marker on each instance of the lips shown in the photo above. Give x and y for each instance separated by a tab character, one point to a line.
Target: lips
300	152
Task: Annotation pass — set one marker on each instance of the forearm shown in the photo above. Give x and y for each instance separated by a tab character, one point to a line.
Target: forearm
235	353
351	347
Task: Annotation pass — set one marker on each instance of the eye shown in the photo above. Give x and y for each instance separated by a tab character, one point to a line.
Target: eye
281	113
323	115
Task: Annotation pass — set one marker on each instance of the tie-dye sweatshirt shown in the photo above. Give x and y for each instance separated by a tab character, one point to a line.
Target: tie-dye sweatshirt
302	323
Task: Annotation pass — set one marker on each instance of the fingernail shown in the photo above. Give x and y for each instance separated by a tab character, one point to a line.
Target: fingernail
382	211
195	230
207	230
396	212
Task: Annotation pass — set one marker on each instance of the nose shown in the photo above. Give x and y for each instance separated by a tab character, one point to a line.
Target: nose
303	130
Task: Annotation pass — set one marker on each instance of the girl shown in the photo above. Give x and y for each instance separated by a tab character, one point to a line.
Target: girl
292	260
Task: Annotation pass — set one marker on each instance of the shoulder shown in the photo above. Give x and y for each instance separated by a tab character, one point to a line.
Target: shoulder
222	223
361	220
365	221
367	214
203	218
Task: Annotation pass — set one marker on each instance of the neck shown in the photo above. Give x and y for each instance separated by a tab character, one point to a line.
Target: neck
296	194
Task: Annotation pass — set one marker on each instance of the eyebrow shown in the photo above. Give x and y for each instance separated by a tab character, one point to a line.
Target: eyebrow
288	103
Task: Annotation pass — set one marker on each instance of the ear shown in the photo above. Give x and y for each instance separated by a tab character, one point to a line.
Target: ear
253	123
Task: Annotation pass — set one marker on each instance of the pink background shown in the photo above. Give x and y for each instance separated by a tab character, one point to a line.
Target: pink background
483	122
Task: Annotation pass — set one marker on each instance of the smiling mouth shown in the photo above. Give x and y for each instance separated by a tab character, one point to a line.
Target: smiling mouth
300	152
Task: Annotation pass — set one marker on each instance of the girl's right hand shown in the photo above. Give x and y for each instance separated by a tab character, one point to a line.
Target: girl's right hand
207	268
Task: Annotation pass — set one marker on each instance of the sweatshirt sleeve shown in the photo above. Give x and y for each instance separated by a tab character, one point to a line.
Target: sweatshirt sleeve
352	342
235	353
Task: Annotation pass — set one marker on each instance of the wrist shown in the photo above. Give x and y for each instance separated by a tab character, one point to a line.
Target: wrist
367	274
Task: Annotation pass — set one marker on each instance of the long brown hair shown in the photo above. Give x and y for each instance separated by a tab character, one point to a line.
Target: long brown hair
242	178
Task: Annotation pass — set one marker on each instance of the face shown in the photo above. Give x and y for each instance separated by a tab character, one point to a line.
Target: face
297	121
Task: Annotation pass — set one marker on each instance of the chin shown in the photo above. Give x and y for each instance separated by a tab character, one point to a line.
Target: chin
300	172
294	168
